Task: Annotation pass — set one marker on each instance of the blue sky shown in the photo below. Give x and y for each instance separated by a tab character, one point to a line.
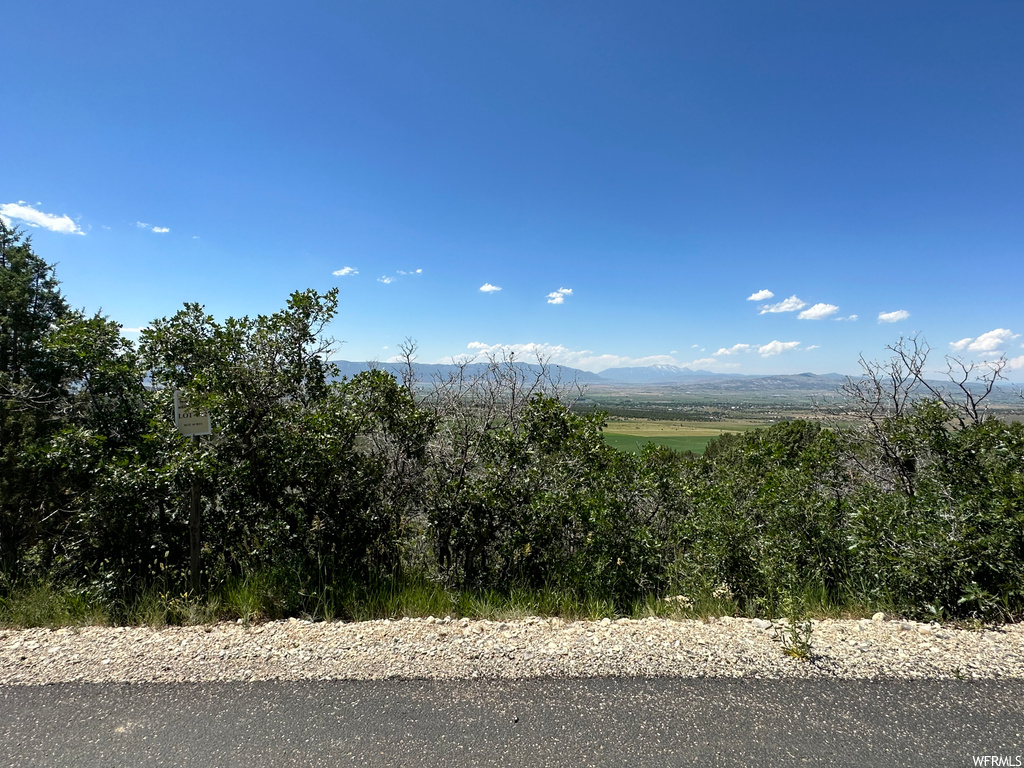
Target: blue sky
630	175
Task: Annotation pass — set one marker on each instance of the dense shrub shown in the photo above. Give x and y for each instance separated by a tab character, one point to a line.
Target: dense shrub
541	500
956	544
767	515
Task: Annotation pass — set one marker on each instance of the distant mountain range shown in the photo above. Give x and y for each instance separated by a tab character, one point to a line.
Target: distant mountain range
426	372
674	377
647	375
668	378
654	374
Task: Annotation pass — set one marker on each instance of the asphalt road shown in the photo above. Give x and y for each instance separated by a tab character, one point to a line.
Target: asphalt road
597	722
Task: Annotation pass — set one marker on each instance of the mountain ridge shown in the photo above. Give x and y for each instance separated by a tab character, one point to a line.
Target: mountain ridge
655	375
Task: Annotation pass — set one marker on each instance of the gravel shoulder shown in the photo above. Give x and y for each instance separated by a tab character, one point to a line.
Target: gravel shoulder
461	649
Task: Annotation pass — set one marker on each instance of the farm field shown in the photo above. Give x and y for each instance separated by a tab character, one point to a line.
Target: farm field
632	434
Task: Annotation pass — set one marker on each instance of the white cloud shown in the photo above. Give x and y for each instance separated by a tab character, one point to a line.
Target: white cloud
777	348
558	297
987	342
1015	363
557	354
345	272
818	312
387	280
959	345
734	349
761	295
893	317
23	212
154	228
992	340
488	288
813	346
792	304
850	318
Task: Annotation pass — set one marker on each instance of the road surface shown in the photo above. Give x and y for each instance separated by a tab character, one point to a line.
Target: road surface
583	722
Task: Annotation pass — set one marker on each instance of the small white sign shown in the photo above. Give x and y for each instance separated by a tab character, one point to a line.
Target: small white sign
188	421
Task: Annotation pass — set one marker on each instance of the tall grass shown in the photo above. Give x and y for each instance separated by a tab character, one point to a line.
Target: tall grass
41	605
268	596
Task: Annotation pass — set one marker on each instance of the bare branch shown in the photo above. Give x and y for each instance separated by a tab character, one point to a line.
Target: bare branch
408	354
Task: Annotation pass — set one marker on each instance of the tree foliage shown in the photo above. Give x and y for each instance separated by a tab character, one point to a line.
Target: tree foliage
31	305
486	479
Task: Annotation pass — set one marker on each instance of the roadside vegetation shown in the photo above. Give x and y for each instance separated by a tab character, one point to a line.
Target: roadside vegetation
483	494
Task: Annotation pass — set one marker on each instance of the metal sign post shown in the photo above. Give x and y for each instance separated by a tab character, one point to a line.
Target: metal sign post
193	424
194	534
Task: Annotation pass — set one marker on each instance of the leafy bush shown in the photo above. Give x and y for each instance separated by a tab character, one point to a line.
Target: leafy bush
767	516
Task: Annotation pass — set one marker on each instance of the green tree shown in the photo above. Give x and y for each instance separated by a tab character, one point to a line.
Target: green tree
109	454
31	306
301	476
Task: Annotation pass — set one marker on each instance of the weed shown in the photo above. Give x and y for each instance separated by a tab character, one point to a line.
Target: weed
795	638
794	632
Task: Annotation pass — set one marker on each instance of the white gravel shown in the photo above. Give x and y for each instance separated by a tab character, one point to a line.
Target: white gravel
534	647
